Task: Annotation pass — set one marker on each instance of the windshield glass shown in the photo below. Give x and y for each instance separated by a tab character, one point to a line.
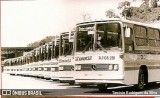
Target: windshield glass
55	49
108	36
66	46
85	37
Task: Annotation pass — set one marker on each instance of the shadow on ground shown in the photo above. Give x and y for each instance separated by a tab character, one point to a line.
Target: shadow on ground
111	90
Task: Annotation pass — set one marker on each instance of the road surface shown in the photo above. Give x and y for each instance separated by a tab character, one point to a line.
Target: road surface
49	87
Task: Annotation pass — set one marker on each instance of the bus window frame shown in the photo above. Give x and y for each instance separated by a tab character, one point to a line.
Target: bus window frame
145	48
95	34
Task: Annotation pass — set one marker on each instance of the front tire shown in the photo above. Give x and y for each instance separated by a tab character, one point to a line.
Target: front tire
71	83
102	87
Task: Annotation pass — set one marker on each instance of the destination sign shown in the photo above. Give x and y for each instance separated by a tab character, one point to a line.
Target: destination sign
86	29
64	61
83	58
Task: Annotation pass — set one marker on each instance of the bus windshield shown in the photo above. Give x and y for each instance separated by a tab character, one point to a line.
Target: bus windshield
66	46
85	38
108	36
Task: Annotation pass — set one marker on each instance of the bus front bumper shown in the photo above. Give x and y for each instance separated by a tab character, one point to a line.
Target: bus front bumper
54	78
48	77
98	81
66	79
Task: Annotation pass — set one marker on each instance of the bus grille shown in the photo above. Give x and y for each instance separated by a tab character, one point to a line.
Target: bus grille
94	67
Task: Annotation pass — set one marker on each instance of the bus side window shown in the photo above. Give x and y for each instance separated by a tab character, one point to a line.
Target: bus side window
128	42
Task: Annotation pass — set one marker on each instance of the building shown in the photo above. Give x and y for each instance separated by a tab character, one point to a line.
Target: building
12	52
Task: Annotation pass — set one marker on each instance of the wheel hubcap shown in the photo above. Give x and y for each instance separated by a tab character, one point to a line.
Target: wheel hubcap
142	81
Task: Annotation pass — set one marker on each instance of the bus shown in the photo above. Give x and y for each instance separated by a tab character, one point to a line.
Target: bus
36	62
7	66
116	51
45	64
12	64
18	66
54	59
66	58
30	63
26	65
48	68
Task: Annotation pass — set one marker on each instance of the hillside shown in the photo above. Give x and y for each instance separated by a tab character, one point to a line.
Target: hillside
149	16
41	42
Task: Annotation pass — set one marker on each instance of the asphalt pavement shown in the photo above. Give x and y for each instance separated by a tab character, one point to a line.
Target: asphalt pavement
21	85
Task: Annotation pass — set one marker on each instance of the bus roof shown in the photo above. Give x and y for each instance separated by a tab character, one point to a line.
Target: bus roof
108	19
139	23
122	20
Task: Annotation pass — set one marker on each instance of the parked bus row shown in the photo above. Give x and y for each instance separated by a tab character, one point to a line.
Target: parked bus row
103	52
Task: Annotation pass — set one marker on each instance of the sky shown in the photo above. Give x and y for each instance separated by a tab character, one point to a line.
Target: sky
27	21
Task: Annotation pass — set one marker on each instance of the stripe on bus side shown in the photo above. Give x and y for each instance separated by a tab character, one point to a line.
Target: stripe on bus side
127	68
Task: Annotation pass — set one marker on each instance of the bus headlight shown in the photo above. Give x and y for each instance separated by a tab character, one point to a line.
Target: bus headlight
110	67
61	68
39	69
52	69
78	67
115	67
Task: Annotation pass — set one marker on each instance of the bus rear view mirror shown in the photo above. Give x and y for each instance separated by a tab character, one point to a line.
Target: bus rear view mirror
127	32
90	32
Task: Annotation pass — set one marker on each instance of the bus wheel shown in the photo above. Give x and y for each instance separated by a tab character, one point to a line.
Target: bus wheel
83	85
71	83
102	87
141	80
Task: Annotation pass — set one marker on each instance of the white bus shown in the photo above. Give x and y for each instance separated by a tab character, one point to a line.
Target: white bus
54	59
35	62
6	67
54	70
12	64
66	58
116	52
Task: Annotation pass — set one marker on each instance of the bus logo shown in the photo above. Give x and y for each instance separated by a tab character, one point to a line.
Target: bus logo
142	56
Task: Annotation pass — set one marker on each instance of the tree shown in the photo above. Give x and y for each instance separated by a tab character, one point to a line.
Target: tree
146	2
110	13
154	3
34	44
144	7
86	16
41	42
126	9
123	5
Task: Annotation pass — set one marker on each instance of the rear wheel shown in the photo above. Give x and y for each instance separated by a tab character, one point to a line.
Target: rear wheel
102	87
142	80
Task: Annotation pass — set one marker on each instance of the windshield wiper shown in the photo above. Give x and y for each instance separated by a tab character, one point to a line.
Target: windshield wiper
86	47
68	51
101	47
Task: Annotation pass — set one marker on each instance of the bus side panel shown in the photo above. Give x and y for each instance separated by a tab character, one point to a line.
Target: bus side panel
152	62
154	68
153	75
129	67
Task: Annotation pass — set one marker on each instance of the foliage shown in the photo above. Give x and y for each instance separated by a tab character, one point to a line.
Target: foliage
86	16
124	4
41	42
111	14
154	3
144	13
